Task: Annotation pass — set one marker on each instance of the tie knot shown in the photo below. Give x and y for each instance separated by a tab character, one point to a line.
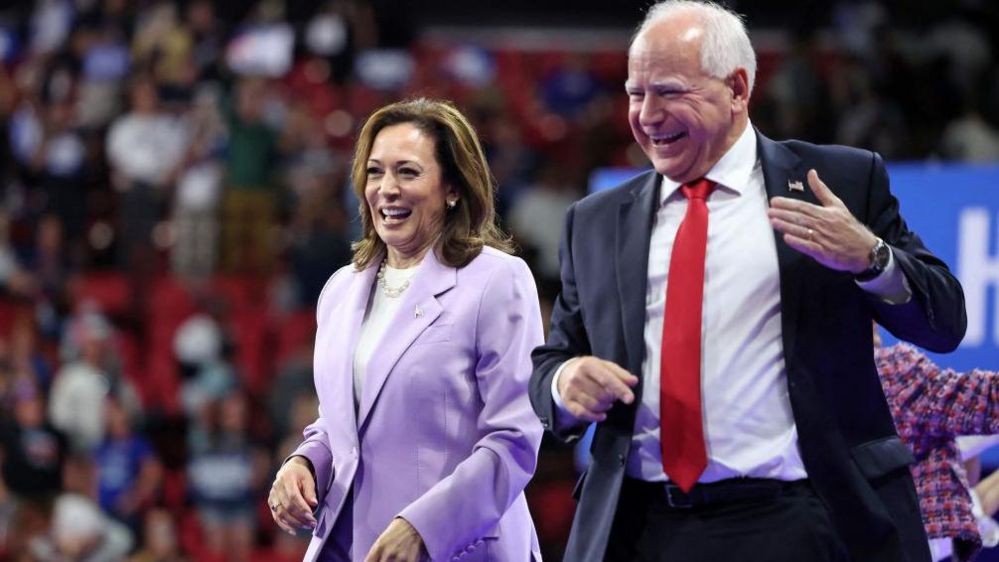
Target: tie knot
697	189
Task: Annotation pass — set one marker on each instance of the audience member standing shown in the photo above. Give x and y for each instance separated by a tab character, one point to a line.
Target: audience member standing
250	199
145	149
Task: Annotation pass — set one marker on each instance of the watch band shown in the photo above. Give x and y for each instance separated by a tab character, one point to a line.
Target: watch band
880	255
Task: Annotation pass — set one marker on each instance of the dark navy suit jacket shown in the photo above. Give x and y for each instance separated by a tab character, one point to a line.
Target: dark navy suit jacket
848	443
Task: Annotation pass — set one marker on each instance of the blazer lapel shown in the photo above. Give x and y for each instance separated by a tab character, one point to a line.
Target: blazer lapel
346	325
781	169
418	309
634	229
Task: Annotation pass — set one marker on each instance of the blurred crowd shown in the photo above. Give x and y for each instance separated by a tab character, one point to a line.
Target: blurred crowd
174	196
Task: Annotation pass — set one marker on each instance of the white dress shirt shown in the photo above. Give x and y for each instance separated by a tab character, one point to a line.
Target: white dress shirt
748	423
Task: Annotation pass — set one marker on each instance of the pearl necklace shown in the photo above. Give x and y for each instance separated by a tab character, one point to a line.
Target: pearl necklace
390	292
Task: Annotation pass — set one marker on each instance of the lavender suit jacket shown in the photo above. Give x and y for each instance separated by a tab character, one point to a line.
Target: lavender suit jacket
444	435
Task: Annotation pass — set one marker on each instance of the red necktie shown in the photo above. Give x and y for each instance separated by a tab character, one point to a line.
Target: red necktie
682	429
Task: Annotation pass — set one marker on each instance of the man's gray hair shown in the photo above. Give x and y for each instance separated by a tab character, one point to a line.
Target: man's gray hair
725	45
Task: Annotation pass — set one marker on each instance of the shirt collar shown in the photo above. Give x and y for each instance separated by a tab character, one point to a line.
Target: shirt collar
732	171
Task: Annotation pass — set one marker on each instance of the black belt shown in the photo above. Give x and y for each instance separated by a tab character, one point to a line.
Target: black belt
732	490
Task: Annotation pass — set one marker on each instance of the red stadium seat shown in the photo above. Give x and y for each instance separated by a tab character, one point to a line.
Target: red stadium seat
9	311
169	299
192	541
239	292
293	331
249	332
108	289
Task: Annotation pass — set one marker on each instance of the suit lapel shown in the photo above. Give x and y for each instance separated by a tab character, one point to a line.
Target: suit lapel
418	309
781	167
347	322
634	228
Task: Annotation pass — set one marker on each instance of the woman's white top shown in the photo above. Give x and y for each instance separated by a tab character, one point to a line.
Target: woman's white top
378	316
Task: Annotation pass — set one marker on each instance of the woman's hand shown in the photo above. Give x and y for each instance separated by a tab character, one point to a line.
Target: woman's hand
293	496
400	542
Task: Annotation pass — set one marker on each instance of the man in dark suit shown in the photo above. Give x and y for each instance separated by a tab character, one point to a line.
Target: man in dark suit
714	321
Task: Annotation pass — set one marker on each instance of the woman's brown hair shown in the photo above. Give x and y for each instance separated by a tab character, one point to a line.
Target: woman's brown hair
471	224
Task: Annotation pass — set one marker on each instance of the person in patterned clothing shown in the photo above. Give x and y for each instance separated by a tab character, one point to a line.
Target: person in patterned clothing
931	407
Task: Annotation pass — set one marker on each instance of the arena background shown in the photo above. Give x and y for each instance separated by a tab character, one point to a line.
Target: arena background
173	178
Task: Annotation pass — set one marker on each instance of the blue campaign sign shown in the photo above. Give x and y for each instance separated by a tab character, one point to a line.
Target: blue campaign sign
955	209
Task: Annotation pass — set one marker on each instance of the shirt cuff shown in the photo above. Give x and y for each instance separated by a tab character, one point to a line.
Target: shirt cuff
890	286
564	418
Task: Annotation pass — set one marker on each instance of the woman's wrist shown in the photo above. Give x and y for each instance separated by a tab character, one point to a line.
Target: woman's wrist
304	461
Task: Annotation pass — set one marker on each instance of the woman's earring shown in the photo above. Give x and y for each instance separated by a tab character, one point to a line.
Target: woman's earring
451	204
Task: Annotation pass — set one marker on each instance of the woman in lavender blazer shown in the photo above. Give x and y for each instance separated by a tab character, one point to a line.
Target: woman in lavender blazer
425	437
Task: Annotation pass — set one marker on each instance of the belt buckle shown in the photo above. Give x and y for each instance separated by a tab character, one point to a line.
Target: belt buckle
677	498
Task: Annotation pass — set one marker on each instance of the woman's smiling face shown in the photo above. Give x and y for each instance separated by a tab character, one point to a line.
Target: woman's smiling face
405	192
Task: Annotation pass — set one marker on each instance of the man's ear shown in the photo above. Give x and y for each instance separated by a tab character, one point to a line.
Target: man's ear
738	83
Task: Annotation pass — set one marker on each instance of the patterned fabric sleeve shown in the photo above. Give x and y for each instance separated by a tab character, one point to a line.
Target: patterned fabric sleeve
935	402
